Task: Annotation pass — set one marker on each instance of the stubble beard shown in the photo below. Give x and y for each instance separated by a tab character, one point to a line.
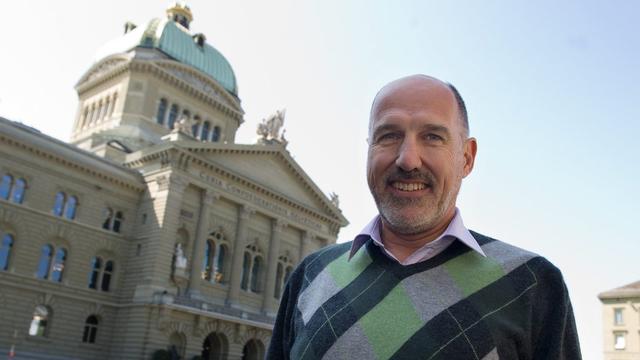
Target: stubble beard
426	213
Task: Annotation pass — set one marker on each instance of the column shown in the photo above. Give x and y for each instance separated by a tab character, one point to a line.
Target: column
305	244
207	197
244	213
277	226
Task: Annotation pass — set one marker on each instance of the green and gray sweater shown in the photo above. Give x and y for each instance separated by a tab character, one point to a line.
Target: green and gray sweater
512	304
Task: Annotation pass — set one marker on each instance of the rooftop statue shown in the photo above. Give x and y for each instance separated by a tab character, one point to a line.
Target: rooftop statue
269	129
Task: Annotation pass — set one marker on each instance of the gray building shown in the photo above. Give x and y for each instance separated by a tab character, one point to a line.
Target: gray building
152	230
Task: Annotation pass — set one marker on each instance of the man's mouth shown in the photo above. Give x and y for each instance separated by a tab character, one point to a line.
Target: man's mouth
403	186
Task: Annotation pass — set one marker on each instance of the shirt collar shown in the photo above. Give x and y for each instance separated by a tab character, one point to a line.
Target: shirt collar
456	229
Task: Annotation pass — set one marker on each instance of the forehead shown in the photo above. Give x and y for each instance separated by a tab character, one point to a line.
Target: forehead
416	95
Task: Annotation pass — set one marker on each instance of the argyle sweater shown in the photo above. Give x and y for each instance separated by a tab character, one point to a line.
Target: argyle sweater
511	304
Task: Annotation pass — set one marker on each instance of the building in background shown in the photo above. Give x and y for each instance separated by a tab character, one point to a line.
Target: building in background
152	230
621	322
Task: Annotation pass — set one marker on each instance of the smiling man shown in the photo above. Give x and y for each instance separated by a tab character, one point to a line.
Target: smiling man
415	283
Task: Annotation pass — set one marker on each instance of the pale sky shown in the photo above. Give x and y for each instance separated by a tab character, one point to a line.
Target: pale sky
551	88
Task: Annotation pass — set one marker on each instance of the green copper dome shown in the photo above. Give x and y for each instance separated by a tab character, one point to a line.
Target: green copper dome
179	44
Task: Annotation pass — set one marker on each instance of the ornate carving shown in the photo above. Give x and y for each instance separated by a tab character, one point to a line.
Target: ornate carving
269	129
60	230
174	182
44	299
9	217
246	211
168	327
279	225
94	309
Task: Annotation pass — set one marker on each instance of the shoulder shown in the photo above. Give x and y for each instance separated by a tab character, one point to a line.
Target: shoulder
512	257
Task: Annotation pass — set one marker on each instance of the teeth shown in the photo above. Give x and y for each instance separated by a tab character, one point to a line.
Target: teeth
408	187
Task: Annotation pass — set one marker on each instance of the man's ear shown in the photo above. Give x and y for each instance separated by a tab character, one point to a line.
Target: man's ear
470	150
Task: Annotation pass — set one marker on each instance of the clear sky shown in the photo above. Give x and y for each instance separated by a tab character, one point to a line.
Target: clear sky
551	88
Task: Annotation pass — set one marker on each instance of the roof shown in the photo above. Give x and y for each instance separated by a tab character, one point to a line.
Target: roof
16	133
177	43
627	291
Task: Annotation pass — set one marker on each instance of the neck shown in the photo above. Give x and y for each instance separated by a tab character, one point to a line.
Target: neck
402	245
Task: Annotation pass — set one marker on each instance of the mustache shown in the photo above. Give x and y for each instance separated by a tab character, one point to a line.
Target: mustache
415	174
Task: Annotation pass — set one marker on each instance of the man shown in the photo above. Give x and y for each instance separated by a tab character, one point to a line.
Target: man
416	284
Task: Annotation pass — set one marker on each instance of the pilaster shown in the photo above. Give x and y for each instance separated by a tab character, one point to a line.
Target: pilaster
305	244
277	226
207	198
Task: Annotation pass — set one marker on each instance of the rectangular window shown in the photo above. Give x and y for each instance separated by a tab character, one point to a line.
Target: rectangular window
619	341
617	316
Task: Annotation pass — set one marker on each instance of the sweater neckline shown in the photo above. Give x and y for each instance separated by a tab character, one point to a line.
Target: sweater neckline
456	249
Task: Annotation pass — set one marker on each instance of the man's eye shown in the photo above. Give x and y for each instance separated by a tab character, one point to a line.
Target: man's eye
433	137
388	137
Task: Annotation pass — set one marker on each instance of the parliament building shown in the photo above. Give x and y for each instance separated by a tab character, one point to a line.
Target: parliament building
152	231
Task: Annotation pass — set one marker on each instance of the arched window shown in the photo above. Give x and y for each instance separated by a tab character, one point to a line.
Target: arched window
246	271
90	330
196	126
96	113
253	350
5	251
109	109
5	186
113	103
207	261
103	109
94	275
58	206
218	275
252	269
162	111
215	135
283	272
204	134
39	321
256	270
173	115
213	262
108	218
106	276
287	274
70	208
83	120
45	262
58	265
112	221
117	221
215	347
18	191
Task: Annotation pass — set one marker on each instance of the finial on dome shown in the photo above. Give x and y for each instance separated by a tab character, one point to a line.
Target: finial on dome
180	12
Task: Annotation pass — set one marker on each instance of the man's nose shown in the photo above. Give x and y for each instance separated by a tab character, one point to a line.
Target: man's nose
408	155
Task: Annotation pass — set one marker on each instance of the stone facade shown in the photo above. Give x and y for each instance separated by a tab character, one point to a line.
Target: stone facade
621	320
153	230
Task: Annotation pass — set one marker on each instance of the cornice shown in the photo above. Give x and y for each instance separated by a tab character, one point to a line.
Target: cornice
67	155
155	67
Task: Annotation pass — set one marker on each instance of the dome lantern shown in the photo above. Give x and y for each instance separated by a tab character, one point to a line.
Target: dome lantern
180	13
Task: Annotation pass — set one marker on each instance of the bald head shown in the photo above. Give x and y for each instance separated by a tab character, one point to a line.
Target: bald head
415	84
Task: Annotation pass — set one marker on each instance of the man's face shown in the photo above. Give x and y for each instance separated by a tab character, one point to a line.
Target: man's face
418	154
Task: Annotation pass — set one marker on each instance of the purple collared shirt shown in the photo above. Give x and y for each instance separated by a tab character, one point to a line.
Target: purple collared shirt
455	230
